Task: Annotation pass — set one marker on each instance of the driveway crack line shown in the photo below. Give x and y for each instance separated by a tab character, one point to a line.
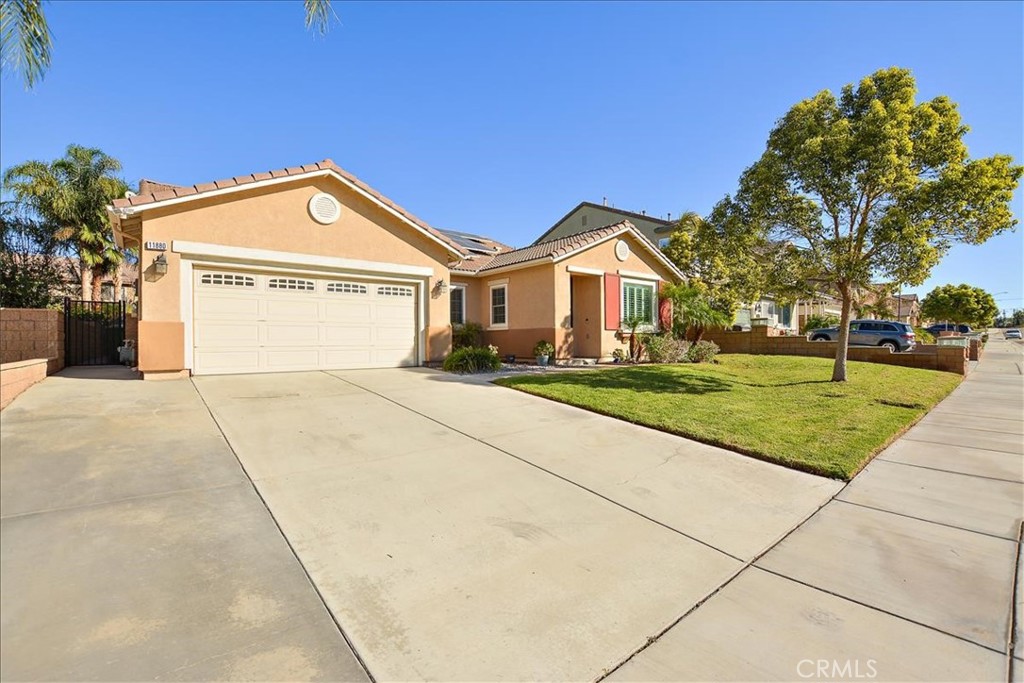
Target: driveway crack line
542	469
1011	631
927	521
877	609
939	469
746	567
291	548
746	564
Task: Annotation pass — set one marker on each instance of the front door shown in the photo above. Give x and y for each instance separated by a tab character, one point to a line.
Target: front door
586	315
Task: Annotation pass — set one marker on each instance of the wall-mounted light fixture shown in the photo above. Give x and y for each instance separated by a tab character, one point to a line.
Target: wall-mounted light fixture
441	286
160	265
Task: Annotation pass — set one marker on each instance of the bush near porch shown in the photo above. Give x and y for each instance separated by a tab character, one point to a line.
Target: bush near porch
782	409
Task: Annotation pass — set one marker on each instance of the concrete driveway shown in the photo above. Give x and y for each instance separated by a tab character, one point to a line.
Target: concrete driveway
451	530
463	531
411	525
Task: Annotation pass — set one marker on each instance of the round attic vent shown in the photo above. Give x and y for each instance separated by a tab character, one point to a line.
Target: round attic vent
622	250
324	208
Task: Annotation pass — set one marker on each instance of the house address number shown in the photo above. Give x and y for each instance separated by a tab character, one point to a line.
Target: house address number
156	246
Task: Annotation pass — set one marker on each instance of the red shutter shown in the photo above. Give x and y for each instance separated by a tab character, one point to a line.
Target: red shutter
612	302
665	312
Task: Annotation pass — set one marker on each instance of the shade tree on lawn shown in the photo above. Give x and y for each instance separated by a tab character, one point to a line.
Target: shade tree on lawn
871	186
960	304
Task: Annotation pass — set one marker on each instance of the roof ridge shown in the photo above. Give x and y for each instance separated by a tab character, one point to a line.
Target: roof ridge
179	191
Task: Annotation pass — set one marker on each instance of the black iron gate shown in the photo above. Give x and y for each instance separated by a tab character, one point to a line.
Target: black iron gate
92	332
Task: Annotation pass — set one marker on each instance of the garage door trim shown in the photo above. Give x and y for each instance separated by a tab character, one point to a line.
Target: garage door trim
283	263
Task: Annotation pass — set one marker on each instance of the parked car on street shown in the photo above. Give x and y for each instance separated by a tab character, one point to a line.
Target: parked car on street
895	335
1012	334
949	327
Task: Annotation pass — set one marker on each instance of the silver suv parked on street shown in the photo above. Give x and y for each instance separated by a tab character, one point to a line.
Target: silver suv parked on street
895	335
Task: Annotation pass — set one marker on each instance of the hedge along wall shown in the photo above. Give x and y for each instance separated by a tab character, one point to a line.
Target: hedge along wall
768	341
30	333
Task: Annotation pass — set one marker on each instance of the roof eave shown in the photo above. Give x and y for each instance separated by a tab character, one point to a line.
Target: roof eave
129	211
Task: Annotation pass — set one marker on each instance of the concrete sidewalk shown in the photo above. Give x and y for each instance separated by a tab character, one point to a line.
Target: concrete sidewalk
907	575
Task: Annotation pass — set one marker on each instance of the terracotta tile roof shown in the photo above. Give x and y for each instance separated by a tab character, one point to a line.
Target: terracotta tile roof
555	248
473	263
147	186
158	192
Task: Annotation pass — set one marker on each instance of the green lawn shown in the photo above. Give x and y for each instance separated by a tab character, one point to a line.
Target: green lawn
778	408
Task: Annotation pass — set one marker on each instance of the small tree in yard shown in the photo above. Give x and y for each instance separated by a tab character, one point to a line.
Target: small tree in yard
724	263
872	186
32	273
960	304
693	310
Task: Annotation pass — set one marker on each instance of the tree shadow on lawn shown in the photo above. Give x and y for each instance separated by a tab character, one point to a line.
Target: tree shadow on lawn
637	379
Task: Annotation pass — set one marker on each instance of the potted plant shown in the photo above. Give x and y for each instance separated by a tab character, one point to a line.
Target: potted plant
543	351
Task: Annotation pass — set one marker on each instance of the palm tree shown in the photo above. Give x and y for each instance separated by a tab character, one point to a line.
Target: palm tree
25	36
72	193
692	309
24	39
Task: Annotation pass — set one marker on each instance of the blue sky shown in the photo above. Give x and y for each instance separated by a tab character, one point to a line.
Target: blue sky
499	118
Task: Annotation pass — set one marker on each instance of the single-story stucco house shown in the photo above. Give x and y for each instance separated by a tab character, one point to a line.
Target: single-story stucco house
308	268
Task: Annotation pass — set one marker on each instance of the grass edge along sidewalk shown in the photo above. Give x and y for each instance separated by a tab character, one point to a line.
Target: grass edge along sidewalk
782	409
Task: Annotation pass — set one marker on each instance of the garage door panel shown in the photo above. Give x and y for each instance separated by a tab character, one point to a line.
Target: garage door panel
359	311
248	322
343	359
291	358
228	361
284	334
227	306
394	314
292	307
400	337
227	334
348	335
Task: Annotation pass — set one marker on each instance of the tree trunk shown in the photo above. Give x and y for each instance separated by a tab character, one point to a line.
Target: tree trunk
839	369
698	333
97	284
118	283
86	279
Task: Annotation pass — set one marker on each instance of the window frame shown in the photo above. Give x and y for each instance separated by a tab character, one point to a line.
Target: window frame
490	305
648	284
462	292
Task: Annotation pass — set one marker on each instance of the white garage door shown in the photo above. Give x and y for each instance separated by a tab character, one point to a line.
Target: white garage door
271	322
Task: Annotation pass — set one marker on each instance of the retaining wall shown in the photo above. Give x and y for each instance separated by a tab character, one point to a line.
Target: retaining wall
17	377
767	341
31	333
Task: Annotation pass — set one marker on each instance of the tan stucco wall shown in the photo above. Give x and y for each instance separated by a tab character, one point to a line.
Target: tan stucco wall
602	257
539	301
276	218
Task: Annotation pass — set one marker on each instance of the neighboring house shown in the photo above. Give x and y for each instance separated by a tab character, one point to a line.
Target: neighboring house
70	271
309	268
906	308
767	312
588	216
822	305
